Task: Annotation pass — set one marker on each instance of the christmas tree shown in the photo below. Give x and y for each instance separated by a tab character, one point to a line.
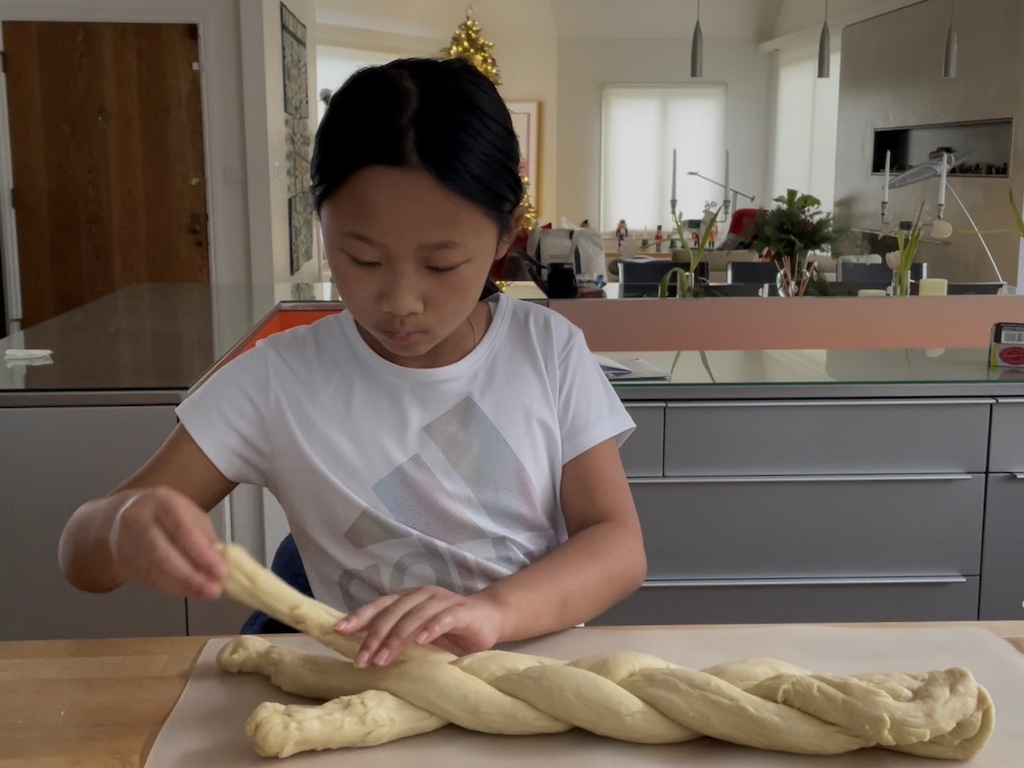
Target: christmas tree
469	43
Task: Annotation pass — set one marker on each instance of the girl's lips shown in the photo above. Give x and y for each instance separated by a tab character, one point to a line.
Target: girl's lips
404	337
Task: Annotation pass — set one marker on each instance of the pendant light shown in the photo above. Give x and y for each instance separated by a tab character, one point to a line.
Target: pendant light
697	49
825	49
949	63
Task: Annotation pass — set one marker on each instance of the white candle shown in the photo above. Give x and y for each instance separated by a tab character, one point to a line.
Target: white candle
942	180
933	286
673	174
728	193
885	192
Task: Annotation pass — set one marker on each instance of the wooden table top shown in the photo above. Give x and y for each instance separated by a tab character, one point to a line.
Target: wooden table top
88	703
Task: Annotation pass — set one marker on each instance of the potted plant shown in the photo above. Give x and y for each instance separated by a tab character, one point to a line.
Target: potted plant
789	233
902	259
686	284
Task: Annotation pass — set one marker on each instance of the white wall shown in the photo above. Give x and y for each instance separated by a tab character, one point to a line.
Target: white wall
892	77
585	65
222	106
266	136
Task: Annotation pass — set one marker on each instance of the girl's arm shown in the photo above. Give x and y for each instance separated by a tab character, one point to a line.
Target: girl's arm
602	561
152	529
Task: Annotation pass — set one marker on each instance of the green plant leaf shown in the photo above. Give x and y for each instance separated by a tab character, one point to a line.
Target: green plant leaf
1016	214
663	284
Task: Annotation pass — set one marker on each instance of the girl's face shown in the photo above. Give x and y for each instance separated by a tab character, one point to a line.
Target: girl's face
410	259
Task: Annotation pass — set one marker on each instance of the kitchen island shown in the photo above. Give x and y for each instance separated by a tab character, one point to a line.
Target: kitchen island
773	485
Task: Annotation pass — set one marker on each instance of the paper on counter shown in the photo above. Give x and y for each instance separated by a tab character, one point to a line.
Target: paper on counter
207	725
24	357
26	354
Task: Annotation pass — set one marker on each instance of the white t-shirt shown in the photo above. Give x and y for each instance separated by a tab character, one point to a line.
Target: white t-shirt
394	477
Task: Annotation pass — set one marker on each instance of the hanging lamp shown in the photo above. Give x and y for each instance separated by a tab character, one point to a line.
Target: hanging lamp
949	63
825	49
697	49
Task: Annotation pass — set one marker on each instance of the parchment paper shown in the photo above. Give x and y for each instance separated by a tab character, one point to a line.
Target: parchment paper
206	727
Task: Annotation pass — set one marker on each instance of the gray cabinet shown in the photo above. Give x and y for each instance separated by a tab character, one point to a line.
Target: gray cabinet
830	526
1007	442
643	454
813	600
51	460
1002	583
812	510
826	437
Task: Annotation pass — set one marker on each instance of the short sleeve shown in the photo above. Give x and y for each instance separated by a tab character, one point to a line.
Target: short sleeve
227	416
589	410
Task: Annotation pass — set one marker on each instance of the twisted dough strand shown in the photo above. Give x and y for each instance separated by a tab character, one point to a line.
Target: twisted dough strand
635	697
763	703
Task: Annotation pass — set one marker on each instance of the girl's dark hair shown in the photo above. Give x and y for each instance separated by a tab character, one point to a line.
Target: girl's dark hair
445	117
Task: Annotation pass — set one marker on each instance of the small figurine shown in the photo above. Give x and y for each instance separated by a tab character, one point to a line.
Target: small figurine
658	237
621	232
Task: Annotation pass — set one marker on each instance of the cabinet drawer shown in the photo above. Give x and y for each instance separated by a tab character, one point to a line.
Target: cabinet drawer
1002	573
644	452
742	603
1007	446
840	437
812	526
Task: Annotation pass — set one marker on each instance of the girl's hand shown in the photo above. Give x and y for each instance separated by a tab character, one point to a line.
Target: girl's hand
160	538
423	615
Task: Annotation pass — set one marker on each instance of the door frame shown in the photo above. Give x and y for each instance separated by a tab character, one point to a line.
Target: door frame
203	19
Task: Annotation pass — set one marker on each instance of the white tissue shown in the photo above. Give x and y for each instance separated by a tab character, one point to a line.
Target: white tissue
26	354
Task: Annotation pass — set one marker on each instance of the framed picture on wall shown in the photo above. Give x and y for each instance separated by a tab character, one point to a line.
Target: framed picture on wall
526	121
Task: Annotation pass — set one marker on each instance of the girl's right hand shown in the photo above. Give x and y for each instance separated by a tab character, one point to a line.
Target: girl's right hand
161	538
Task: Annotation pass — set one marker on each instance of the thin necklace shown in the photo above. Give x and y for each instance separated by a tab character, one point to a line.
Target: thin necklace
472	329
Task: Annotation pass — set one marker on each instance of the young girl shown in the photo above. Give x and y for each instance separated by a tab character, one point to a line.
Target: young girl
448	462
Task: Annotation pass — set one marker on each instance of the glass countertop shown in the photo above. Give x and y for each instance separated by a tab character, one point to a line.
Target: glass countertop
821	368
165	337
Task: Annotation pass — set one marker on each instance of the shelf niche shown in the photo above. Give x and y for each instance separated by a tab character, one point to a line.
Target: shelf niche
986	146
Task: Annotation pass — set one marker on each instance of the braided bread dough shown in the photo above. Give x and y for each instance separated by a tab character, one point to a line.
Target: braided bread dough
760	703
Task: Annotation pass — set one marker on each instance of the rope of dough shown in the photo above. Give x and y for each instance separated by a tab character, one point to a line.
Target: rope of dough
764	703
251	584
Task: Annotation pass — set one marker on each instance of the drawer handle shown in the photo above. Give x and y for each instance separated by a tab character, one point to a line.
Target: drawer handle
829	403
803	479
868	581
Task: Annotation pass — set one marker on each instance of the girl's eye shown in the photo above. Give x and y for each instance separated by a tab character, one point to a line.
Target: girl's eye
361	263
443	270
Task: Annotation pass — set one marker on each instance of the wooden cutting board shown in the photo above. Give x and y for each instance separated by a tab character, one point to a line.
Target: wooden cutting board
207	725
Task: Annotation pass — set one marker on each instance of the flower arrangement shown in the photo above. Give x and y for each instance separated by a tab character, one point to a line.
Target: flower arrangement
901	260
789	232
687	280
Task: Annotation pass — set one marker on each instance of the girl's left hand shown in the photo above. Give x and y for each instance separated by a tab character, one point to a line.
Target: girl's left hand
423	615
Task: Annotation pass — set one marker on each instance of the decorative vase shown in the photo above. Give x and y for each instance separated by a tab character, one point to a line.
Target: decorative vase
901	282
793	275
685	278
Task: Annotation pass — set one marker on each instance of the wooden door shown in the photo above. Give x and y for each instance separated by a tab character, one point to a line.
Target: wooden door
107	145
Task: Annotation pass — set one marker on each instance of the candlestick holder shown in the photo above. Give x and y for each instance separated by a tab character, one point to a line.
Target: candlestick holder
885	213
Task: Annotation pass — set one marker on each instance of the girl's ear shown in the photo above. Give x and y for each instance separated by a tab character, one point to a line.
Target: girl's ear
506	241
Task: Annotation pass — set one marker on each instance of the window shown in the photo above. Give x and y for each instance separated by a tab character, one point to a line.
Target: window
806	126
641	127
335	65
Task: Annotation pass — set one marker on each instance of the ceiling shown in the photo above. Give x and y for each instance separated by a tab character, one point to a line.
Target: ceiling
758	20
744	19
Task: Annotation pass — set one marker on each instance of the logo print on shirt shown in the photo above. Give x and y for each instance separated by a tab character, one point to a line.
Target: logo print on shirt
421	511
